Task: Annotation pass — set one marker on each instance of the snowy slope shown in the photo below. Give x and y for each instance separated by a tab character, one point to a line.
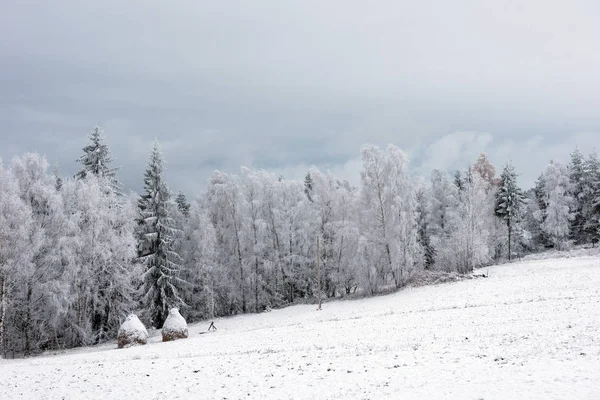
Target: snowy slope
531	330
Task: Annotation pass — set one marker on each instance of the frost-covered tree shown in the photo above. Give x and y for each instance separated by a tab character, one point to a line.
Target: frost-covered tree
463	242
255	233
208	292
443	200
509	202
423	201
485	169
591	196
297	223
182	204
156	234
97	159
225	209
15	220
308	186
557	215
102	284
41	294
577	190
389	215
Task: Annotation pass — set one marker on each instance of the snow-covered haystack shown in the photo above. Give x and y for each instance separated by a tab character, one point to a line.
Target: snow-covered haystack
132	332
174	327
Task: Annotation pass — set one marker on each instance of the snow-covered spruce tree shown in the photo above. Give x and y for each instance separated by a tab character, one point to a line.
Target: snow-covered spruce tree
591	209
308	186
156	234
509	202
577	191
389	217
97	160
458	180
182	204
422	197
557	215
15	220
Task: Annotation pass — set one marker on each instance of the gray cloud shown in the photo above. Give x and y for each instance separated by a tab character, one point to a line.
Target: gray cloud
283	86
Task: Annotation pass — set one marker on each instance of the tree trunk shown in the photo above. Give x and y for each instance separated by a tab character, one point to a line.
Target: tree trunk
509	238
28	321
3	306
256	284
318	273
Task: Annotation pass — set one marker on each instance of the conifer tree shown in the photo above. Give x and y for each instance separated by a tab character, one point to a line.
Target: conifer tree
182	204
458	181
97	159
308	186
509	201
156	234
592	199
577	177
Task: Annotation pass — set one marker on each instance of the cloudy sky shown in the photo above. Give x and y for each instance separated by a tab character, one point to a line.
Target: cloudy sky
283	85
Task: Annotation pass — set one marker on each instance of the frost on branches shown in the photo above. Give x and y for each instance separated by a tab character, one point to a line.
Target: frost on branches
156	233
77	257
509	202
557	215
96	160
389	213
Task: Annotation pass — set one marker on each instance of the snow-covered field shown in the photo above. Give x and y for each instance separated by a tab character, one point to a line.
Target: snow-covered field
529	331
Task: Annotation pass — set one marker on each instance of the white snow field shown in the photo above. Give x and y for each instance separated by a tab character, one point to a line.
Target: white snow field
529	331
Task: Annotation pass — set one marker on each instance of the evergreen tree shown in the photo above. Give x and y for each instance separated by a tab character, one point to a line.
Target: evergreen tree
97	159
458	181
156	234
308	186
577	178
422	197
509	201
591	209
182	204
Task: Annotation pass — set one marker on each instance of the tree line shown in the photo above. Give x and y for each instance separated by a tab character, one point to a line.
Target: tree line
77	254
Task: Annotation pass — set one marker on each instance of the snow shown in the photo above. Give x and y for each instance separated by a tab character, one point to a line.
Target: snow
175	326
132	331
529	330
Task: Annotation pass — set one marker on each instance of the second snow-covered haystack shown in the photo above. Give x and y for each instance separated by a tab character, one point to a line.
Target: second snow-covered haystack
174	327
132	332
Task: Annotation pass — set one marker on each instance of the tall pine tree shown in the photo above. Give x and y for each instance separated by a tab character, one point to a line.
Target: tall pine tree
156	234
509	201
592	198
182	204
97	160
577	178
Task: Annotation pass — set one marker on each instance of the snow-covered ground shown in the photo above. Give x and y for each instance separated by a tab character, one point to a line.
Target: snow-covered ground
531	330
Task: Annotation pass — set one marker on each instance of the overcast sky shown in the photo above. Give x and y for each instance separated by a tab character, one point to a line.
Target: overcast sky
284	85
